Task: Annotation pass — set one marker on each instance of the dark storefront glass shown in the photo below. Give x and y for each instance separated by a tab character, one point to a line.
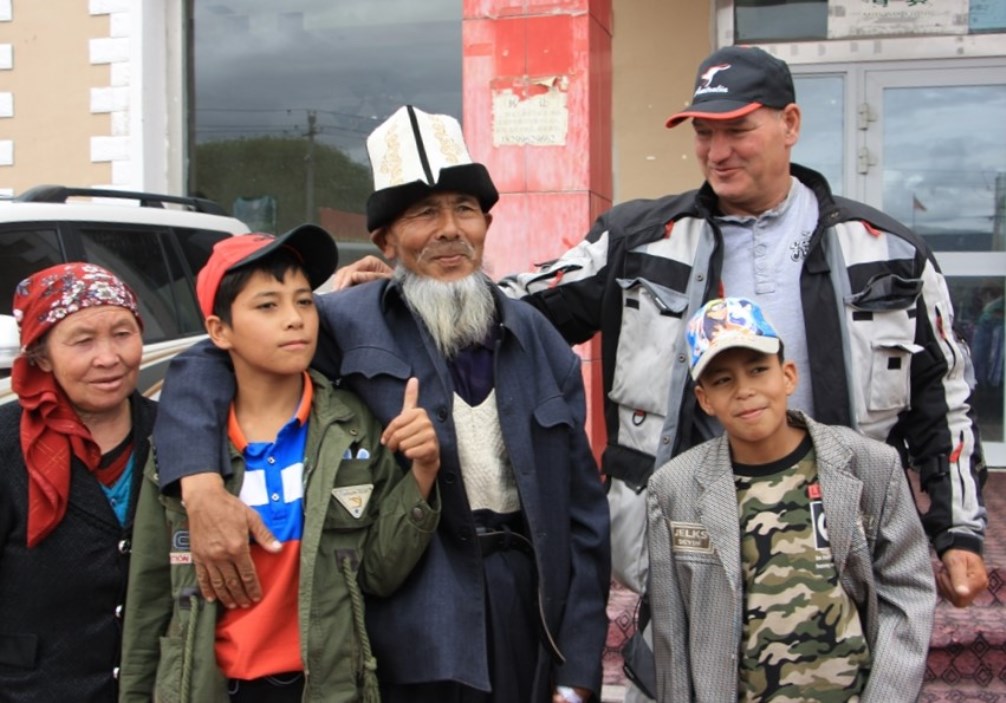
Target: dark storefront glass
780	20
978	303
284	95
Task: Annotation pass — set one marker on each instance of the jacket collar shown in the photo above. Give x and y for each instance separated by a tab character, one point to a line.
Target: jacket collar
326	405
326	408
841	489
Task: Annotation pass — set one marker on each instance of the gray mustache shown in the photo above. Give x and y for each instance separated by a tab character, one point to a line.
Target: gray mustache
453	249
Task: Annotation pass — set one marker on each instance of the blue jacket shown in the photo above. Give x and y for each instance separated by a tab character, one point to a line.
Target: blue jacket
433	627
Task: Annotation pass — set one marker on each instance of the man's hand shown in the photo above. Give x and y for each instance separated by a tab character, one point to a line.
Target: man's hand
962	577
412	434
219	525
369	268
570	694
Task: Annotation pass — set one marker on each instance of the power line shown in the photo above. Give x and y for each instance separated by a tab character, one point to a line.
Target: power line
294	127
336	113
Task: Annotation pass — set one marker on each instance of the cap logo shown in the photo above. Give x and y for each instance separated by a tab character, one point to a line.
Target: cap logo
706	78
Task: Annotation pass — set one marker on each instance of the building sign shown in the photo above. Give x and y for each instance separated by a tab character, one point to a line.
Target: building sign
871	18
531	115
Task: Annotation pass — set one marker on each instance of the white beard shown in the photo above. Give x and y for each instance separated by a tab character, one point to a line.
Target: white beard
456	313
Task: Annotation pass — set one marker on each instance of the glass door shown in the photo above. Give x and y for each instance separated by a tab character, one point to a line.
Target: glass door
933	154
825	114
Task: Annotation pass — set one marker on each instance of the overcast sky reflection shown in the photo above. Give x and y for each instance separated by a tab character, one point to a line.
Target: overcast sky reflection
261	66
943	149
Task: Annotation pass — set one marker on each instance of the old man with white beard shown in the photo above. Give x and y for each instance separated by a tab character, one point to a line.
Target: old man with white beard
508	604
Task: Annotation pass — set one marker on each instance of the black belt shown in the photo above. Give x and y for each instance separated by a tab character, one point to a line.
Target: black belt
287	686
491	541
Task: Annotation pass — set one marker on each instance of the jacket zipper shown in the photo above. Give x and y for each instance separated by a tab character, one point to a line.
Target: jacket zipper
309	466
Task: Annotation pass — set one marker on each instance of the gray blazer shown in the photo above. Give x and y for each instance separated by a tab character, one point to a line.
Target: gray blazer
877	542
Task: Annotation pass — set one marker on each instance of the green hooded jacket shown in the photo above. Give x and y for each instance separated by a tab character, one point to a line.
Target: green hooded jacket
169	629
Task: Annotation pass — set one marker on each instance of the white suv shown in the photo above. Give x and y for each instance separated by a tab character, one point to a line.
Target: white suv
157	248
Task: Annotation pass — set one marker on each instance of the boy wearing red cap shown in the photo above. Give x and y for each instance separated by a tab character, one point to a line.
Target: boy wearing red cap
787	561
315	465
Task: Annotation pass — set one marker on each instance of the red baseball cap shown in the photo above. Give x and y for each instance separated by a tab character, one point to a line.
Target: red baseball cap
312	245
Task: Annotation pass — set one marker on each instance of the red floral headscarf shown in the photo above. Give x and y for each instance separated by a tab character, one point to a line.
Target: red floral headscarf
50	429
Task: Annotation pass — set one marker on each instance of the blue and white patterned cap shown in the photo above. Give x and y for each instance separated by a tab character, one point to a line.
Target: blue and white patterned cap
728	323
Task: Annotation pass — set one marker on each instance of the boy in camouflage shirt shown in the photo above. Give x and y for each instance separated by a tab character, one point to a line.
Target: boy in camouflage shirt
787	559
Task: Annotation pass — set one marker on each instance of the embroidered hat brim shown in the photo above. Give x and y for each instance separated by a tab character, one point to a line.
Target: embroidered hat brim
384	206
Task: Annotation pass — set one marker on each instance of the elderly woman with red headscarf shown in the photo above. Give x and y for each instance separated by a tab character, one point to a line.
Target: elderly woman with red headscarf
70	452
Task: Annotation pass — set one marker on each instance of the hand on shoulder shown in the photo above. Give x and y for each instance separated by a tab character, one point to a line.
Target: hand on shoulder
369	268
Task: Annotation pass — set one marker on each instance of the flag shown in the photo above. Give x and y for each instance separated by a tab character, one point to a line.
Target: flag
917	205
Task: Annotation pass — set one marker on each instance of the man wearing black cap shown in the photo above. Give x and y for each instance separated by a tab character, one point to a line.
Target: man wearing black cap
859	298
508	603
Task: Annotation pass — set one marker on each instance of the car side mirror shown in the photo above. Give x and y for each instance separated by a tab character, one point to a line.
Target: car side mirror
10	343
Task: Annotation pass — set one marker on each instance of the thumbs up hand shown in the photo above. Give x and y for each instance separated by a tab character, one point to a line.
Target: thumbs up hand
412	434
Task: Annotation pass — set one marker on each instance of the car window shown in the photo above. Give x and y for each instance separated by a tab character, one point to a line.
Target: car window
139	257
196	246
22	253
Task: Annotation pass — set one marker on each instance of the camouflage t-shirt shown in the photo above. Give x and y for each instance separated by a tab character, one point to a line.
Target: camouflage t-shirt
802	638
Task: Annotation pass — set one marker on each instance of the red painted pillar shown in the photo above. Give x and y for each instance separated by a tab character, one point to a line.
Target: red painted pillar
537	112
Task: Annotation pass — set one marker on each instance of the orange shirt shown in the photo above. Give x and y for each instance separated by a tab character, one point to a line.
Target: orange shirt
265	639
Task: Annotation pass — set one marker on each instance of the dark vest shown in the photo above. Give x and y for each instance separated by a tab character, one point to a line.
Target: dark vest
61	603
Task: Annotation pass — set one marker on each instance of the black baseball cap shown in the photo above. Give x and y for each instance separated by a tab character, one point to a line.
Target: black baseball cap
735	81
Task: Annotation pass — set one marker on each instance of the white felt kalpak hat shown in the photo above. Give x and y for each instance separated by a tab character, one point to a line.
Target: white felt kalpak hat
414	153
